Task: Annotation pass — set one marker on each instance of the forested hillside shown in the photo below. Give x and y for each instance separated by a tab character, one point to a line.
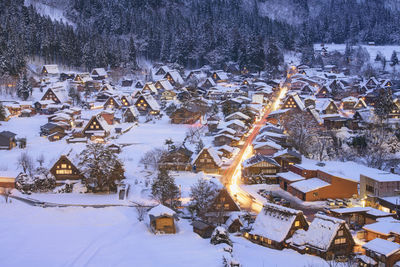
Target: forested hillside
189	32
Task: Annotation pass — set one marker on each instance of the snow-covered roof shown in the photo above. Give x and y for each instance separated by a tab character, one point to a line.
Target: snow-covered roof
51	69
175	76
381	246
257	159
222	75
385	227
274	222
161	210
297	100
152	102
290	176
272	144
100	72
213	153
368	210
237	122
165	84
322	104
151	87
228	130
320	233
133	110
309	185
238	114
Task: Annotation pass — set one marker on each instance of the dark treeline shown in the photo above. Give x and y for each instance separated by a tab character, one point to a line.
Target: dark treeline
189	32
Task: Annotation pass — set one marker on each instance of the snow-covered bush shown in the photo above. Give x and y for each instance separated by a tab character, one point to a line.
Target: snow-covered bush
219	236
41	181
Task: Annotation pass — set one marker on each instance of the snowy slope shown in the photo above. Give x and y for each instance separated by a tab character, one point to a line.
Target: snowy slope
33	236
50	8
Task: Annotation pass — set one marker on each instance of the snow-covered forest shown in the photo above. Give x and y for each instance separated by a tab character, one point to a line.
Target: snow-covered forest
191	33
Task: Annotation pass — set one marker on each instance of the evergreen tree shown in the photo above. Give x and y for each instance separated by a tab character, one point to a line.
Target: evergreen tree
2	113
274	58
132	53
24	88
165	190
394	59
202	194
101	167
384	104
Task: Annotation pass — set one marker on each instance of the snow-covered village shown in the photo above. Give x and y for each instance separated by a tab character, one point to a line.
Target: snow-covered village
199	133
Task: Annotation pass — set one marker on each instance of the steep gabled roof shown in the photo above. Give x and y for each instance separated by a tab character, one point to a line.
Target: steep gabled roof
320	233
257	159
275	222
51	69
175	76
212	152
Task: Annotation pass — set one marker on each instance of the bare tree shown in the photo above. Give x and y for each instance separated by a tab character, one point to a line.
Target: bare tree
141	212
40	159
26	163
302	128
151	159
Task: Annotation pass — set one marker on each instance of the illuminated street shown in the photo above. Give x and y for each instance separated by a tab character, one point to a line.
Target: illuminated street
232	177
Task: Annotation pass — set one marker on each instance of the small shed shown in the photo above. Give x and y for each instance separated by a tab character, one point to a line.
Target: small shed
162	220
203	229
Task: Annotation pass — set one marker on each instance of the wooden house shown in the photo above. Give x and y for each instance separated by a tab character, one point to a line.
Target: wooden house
51	128
207	161
146	104
97	127
162	70
163	85
113	102
99	74
139	84
236	125
7	140
177	159
293	101
382	252
371	83
174	78
326	106
353	103
50	71
234	223
324	92
395	112
7	180
388	229
130	114
238	116
219	76
359	216
128	83
184	115
268	148
386	83
149	88
208	83
82	78
162	220
203	229
226	151
57	95
222	207
260	169
326	237
276	224
168	95
286	157
65	169
225	139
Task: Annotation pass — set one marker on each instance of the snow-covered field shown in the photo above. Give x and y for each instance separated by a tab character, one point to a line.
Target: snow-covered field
114	237
373	50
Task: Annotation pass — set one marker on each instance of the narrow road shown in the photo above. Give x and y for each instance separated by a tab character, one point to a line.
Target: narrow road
232	176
